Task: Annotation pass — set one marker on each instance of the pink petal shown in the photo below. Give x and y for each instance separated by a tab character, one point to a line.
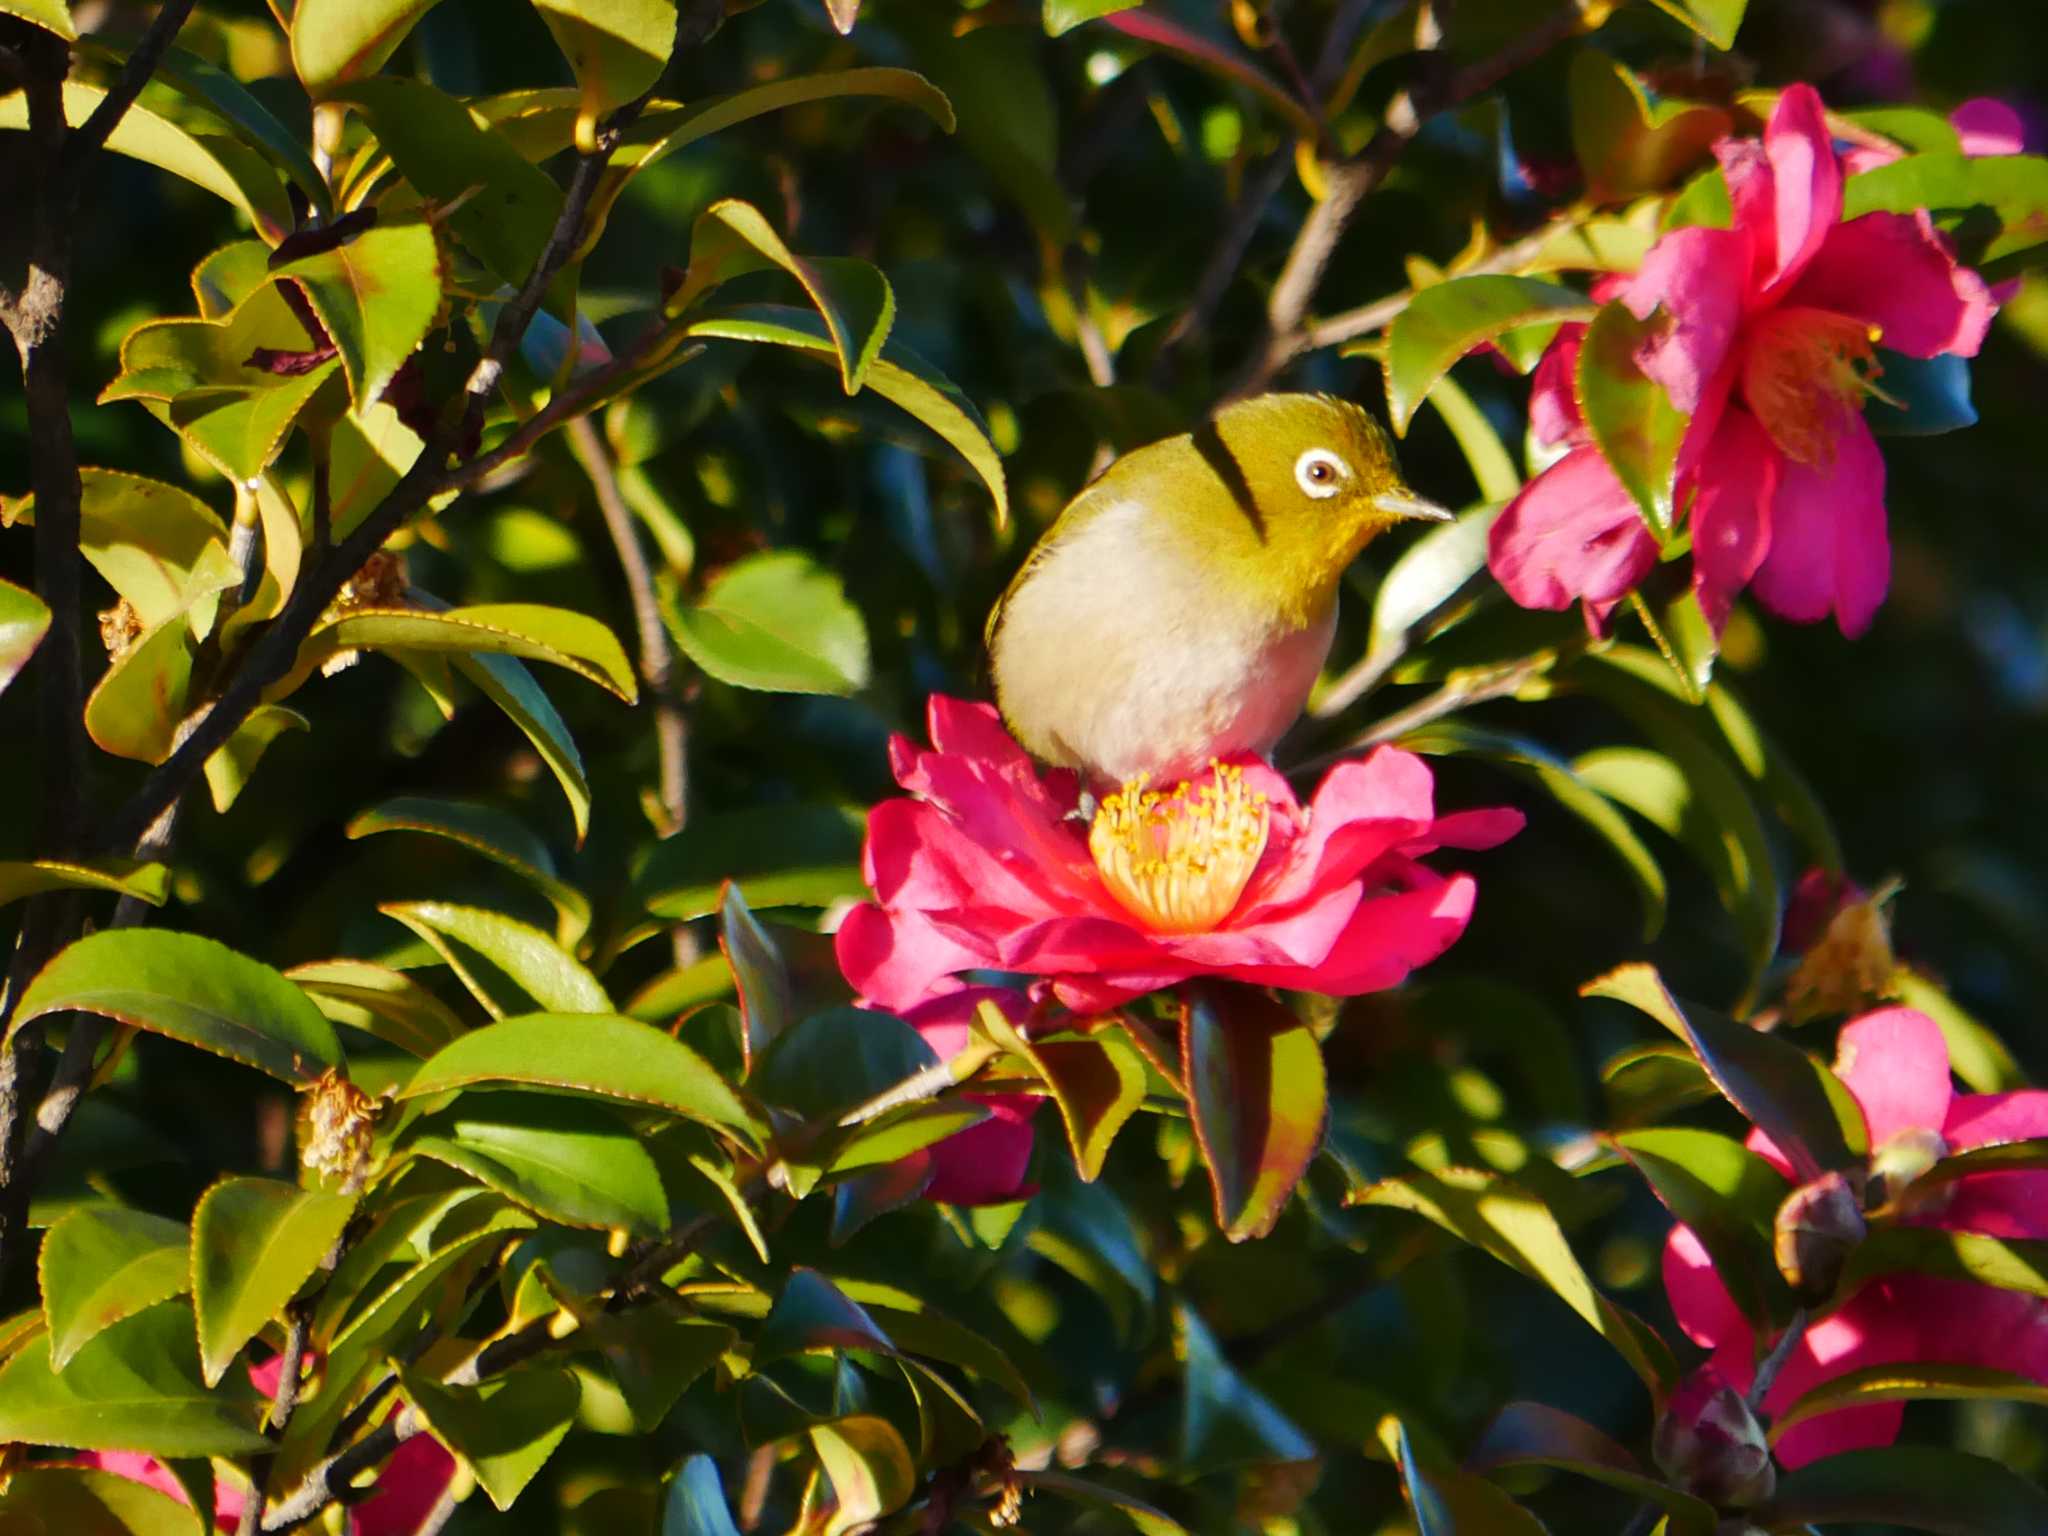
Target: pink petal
1387	937
1360	811
1706	1313
1475	830
1572	533
407	1490
1302	934
961	728
1806	181
1988	1119
896	960
1698	276
1829	551
985	1164
1896	272
1553	389
1871	1329
1731	522
945	1023
2013	1204
1987	126
1895	1062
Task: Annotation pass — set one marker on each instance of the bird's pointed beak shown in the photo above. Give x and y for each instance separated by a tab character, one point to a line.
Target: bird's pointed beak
1401	504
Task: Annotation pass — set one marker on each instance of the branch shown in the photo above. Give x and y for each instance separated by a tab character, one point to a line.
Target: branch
93	134
1350	182
1463	693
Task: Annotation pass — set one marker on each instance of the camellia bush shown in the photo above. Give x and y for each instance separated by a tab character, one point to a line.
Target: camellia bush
545	998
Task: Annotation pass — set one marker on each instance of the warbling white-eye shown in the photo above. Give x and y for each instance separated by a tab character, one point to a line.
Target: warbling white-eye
1182	605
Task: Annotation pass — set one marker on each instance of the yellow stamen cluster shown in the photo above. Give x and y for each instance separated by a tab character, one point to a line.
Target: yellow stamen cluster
1806	372
1179	860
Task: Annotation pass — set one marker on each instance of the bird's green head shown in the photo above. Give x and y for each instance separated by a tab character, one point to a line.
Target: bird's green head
1310	479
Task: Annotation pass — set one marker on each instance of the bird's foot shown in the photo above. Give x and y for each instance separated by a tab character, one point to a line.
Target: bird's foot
1084	809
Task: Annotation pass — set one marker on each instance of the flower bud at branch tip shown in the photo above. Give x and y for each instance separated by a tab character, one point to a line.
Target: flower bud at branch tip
1711	1445
1817	1228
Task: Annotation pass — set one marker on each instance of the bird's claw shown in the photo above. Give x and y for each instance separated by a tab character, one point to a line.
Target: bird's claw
1084	808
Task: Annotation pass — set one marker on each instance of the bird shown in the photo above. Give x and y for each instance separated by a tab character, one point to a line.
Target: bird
1180	608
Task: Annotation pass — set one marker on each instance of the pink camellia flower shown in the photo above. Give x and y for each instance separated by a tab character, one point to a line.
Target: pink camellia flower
986	867
1767	342
984	1164
405	1493
1895	1063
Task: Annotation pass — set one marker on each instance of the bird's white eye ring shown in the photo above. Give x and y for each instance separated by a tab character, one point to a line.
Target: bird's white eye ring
1320	472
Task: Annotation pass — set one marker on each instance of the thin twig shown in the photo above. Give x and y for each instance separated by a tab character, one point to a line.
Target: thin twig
1774	1362
1447	700
94	132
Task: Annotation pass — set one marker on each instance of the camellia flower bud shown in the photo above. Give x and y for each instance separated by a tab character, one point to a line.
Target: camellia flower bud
1895	1166
1710	1444
1816	1230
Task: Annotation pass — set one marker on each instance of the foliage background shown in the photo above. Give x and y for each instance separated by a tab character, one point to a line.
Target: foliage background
1924	740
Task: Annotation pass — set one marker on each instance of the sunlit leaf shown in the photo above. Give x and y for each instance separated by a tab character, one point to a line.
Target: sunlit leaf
24	619
1632	420
575	641
379	1001
568	1160
1911	1382
1628	142
505	963
51	15
1728	1196
506	682
1447	320
254	1243
89	1501
98	1266
779	622
1256	1091
340	40
192	989
144	881
377	295
616	48
504	1429
497	835
869	1466
1715	20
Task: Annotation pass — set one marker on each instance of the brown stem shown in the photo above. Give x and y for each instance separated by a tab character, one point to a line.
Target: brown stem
1774	1362
1351	181
657	656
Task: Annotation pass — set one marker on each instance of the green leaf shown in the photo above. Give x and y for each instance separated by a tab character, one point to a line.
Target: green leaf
598	1054
1065	15
759	973
254	1243
2010	1264
445	153
1447	1502
837	1059
1510	1223
511	687
852	297
1919	1487
377	295
1447	320
240	431
1715	20
1097	1081
497	835
565	1159
775	855
695	1505
86	1501
101	1264
778	622
145	882
1154	26
615	48
812	1313
902	1133
133	1387
1784	1092
191	989
1534	1434
334	41
504	962
1632	420
1493	470
1141	1516
539	633
228	770
134	710
654	1357
2014	188
220	164
1225	1420
1628	142
503	1430
1257	1096
1913	1381
870	1468
897	375
379	1001
1728	1196
24	620
51	15
940	1338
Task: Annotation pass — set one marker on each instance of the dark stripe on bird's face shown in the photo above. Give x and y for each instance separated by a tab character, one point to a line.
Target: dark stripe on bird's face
1217	455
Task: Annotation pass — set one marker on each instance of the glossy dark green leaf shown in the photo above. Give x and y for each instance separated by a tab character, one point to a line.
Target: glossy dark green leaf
2009	1263
214	96
1633	422
1257	1095
1065	15
377	295
254	1243
897	375
599	1054
1446	320
509	966
509	206
379	1001
1535	1434
778	622
191	989
1911	1382
564	1159
1097	1083
1510	1223
1225	1420
1917	1487
133	1387
1777	779
148	882
497	835
1628	142
836	1060
503	1430
655	1355
1447	1502
99	1265
695	1505
870	1469
508	684
759	973
1792	1098
812	1313
2013	187
1728	1196
777	855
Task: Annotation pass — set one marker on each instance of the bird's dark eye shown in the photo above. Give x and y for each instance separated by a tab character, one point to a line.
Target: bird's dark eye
1320	472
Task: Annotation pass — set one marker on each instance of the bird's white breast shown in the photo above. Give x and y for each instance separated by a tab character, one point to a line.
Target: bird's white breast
1120	656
